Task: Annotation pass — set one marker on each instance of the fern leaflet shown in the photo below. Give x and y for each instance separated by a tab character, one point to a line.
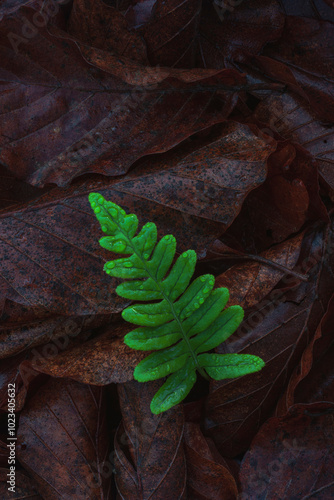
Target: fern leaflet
185	320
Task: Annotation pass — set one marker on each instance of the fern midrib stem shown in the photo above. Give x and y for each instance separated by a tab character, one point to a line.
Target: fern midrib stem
171	306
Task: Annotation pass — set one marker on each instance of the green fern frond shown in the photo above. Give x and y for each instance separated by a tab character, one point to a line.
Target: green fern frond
185	320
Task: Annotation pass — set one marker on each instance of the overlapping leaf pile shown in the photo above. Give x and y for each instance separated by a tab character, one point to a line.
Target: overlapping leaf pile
216	123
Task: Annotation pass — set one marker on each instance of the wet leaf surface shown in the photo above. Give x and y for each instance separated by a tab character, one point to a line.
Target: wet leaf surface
214	121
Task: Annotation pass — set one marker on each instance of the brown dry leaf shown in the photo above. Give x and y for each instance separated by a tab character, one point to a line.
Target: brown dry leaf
50	258
99	25
292	456
209	476
63	441
301	385
24	487
149	455
227	34
211	182
294	120
278	329
288	201
250	282
302	59
96	121
171	33
102	360
20	331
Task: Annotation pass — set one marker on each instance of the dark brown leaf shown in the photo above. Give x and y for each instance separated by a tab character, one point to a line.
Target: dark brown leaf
149	455
93	117
63	441
99	361
278	330
293	119
24	487
292	456
302	380
171	33
228	33
209	476
50	258
101	26
287	201
250	282
302	59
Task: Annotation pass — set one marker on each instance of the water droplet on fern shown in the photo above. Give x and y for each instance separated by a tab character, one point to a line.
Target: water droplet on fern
104	229
97	210
120	246
128	264
111	265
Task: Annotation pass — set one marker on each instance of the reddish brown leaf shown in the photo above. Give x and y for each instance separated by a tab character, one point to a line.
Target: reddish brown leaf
92	117
99	361
171	33
278	330
24	487
209	476
51	258
102	26
27	327
302	59
292	456
149	455
250	282
283	204
228	33
212	182
311	357
289	116
63	441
